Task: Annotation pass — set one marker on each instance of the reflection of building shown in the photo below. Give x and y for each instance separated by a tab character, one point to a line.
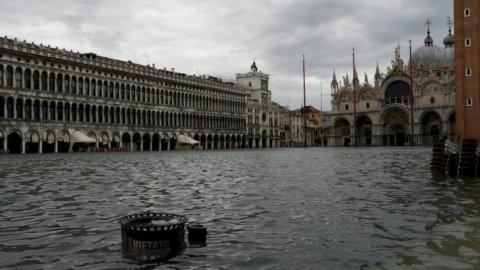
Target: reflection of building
467	48
263	115
383	108
48	95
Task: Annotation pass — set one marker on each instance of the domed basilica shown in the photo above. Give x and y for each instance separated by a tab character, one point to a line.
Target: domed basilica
381	114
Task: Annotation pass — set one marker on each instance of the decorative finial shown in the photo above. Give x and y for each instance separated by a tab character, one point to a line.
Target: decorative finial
428	24
449	24
428	39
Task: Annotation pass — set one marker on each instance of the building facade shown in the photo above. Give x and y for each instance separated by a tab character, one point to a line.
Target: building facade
381	114
263	115
467	68
53	100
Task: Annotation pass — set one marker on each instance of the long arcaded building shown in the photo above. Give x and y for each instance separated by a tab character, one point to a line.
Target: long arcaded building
53	100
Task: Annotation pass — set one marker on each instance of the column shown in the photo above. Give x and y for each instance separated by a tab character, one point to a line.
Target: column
253	143
70	147
40	146
225	144
23	145
55	146
168	144
141	145
131	145
151	145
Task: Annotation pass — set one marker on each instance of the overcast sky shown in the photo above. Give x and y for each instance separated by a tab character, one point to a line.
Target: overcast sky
223	37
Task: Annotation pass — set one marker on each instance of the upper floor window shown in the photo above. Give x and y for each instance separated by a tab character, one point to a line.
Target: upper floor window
468	72
469	102
432	100
468	42
466	12
367	105
346	107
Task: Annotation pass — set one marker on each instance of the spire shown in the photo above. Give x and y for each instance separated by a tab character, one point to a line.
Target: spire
334	83
378	77
428	39
377	72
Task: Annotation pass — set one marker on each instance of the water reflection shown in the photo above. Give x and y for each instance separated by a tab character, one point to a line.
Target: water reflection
371	208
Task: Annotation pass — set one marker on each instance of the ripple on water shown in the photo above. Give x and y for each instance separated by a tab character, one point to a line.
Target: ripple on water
324	208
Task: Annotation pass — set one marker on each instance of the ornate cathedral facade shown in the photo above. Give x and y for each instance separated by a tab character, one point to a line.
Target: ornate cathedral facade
404	106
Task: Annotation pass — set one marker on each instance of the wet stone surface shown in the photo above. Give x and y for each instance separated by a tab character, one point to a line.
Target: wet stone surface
344	208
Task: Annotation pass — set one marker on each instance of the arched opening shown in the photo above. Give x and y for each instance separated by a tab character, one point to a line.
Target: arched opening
146	142
32	142
137	140
173	143
126	140
48	145
342	132
156	142
115	144
14	143
431	127
397	92
364	131
397	135
63	142
395	122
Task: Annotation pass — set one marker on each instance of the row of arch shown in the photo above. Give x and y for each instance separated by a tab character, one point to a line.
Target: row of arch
395	129
43	110
50	141
17	77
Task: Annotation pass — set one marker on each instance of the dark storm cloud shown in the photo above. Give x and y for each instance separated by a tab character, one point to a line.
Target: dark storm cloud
223	37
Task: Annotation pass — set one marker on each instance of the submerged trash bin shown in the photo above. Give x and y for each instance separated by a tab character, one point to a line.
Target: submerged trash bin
197	235
153	236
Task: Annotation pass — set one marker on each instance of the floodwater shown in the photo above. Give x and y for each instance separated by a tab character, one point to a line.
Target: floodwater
315	208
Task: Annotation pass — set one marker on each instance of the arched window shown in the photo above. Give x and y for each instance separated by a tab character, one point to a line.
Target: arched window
468	42
10	76
27	79
468	72
44	81
19	108
18	77
36	80
87	87
80	86
469	102
59	83
1	75
466	12
346	107
51	82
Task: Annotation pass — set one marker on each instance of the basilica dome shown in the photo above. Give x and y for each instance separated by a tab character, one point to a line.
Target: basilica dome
430	56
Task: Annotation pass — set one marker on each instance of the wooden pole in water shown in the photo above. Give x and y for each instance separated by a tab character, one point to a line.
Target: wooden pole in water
354	99
304	106
411	94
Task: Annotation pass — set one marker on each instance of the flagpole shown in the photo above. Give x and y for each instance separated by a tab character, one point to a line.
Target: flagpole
411	93
354	100
304	105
